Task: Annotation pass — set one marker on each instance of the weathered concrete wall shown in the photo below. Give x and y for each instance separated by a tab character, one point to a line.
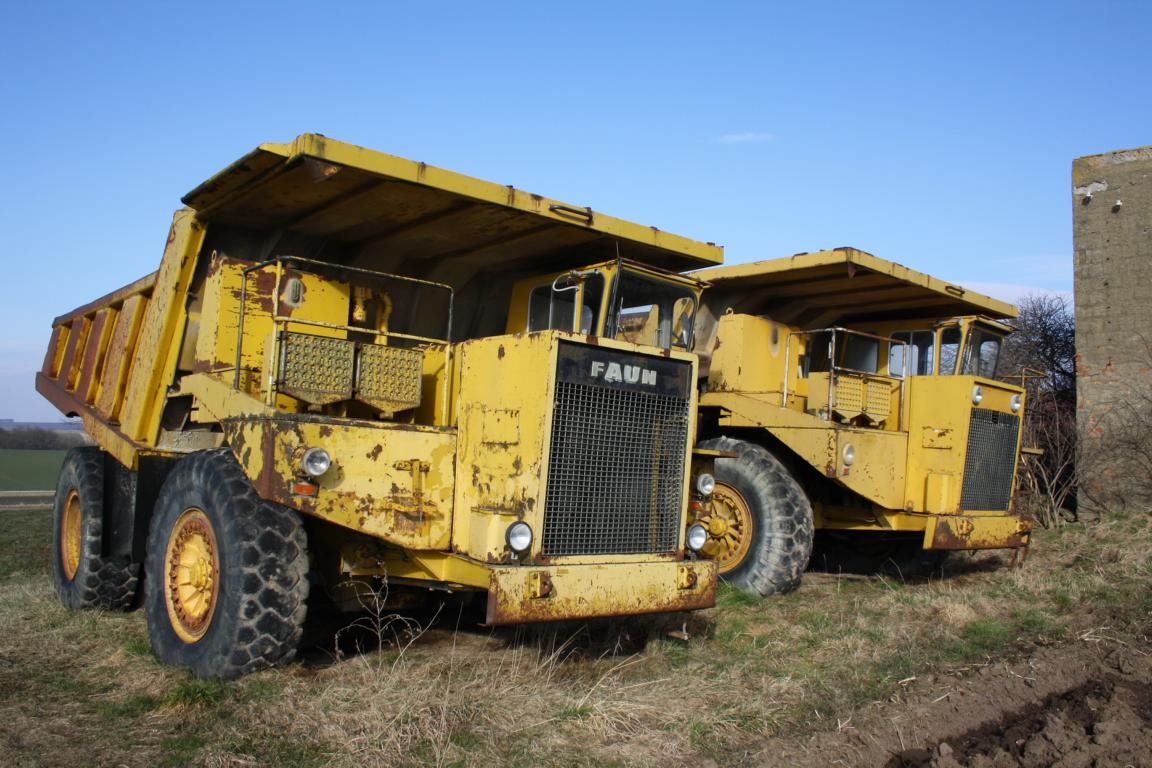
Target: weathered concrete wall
1112	232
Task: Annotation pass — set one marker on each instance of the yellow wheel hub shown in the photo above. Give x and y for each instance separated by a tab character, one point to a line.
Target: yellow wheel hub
192	567
70	534
730	526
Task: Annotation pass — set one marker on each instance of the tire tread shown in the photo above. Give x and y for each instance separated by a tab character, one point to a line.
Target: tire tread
779	555
271	565
101	582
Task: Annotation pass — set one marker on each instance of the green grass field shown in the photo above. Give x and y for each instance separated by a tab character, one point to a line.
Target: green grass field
29	470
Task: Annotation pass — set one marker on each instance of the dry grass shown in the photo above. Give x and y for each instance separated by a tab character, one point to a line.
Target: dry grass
83	688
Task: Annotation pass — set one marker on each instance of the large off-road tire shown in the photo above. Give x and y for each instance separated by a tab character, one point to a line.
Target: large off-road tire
85	578
760	526
227	572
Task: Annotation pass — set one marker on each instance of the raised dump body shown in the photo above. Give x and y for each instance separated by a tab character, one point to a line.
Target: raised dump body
861	397
352	369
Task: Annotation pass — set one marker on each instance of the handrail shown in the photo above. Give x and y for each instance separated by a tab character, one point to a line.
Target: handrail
833	369
280	319
1027	373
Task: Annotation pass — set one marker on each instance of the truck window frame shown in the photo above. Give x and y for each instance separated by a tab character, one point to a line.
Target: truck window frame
675	328
588	292
975	363
920	344
954	353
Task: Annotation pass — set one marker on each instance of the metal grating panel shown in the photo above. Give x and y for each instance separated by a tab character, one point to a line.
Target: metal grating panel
849	395
316	369
879	398
389	377
617	463
990	461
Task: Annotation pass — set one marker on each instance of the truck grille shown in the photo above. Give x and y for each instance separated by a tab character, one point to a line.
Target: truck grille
618	454
991	459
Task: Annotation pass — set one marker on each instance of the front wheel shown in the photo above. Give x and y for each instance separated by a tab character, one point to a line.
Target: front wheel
760	521
227	571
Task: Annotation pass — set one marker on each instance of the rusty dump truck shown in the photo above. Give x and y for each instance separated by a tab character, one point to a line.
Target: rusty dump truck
353	370
859	403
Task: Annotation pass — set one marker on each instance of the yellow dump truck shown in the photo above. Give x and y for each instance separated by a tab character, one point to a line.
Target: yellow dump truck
352	368
858	400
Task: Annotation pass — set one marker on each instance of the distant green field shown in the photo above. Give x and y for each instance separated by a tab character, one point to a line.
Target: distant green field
25	541
29	470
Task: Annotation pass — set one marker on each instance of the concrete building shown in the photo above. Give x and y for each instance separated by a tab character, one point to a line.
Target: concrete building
1112	233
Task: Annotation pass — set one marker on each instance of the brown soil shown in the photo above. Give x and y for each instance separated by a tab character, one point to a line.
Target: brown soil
1081	705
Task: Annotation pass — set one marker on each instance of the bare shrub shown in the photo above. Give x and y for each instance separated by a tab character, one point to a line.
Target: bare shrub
1040	355
1048	481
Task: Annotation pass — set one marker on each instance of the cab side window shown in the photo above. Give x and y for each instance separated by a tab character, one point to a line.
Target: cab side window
552	308
919	347
949	350
548	309
861	354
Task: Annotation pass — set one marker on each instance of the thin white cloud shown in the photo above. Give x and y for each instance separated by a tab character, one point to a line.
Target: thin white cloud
748	137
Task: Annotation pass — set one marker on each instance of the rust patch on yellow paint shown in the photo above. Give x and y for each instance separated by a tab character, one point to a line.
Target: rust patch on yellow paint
519	595
956	532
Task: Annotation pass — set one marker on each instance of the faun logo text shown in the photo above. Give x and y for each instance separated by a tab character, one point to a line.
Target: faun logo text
628	374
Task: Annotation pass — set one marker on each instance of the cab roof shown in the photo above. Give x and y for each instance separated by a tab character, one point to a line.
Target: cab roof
839	286
366	200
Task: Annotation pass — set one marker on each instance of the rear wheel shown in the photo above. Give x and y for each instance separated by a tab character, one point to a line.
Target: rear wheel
83	576
227	571
760	522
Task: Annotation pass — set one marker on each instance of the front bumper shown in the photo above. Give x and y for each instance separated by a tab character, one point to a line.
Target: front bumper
522	594
977	532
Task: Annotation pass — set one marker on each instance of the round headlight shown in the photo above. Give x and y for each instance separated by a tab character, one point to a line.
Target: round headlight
697	537
519	537
977	395
705	484
316	461
1015	403
848	454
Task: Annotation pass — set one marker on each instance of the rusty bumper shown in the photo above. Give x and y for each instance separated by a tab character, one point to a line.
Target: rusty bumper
526	594
976	532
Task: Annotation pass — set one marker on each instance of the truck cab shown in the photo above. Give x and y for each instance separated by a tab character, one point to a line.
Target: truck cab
615	300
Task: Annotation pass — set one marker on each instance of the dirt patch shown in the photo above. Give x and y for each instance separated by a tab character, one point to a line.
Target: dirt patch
1086	705
1103	722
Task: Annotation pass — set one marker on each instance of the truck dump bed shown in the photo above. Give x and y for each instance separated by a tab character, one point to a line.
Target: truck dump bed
111	361
839	286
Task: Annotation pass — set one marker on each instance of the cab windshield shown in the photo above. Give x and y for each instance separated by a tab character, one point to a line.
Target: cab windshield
982	353
652	312
979	355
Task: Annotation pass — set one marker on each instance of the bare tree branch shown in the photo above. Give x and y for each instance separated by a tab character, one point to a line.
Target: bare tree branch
1040	355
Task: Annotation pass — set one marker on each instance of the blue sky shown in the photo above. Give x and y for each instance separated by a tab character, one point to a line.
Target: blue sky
938	135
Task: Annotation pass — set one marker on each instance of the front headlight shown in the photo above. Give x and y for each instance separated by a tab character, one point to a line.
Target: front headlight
315	462
697	537
705	484
848	454
977	395
1015	403
519	537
